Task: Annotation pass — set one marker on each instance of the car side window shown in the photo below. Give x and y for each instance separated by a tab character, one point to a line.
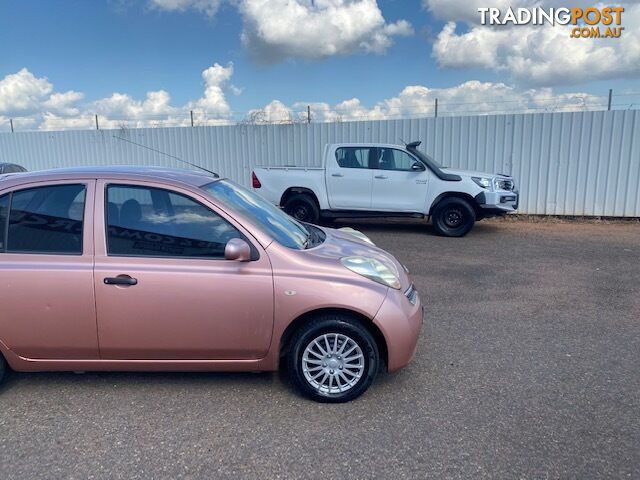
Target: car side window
154	222
45	220
392	159
354	157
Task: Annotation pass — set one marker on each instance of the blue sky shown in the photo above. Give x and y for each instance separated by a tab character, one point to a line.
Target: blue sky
134	47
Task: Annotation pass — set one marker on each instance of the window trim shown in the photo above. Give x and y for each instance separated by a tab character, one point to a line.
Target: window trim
22	188
255	254
5	227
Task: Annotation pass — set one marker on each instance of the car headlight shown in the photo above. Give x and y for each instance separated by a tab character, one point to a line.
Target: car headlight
483	182
373	270
356	233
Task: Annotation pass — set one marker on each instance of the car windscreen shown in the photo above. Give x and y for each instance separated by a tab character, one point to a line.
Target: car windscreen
277	224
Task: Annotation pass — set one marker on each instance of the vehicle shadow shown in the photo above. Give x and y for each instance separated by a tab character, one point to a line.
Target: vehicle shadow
248	380
410	226
400	225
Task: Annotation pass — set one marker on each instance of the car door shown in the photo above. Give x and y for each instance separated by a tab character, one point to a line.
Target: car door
349	178
47	304
163	288
397	185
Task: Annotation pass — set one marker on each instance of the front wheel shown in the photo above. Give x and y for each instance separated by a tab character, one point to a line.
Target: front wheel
453	217
333	359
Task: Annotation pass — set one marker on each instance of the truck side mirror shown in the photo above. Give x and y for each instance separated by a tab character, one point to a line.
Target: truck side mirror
417	167
237	249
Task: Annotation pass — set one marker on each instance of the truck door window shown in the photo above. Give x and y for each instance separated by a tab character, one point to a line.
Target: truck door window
392	159
353	157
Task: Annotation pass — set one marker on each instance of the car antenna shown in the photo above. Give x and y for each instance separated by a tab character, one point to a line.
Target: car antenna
168	155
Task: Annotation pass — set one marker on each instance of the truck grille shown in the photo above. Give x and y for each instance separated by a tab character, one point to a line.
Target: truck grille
504	184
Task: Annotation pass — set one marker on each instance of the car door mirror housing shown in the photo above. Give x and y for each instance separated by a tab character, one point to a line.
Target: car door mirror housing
417	167
238	250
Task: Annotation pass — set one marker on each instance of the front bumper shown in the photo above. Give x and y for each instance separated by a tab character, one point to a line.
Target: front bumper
400	319
499	202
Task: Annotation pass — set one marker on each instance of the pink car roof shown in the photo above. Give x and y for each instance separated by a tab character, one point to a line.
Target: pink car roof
190	177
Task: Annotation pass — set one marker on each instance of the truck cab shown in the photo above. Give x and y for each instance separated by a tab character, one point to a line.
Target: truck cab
384	180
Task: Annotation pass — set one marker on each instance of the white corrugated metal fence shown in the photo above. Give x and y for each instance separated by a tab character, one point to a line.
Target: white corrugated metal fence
582	163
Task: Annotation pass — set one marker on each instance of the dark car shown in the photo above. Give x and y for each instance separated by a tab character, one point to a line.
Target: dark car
11	168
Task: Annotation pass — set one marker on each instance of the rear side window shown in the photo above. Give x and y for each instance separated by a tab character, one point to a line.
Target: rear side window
356	157
153	222
46	220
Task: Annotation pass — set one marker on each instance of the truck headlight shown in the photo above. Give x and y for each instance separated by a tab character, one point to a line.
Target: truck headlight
373	270
483	182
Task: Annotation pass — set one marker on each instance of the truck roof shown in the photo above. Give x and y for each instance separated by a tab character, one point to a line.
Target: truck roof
367	144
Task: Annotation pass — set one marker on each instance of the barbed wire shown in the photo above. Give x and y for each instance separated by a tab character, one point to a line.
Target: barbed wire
315	113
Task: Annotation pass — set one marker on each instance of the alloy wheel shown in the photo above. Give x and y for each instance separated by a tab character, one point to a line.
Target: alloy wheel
333	363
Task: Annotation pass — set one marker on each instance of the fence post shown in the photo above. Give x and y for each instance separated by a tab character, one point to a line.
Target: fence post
97	126
436	106
11	123
308	113
192	118
610	98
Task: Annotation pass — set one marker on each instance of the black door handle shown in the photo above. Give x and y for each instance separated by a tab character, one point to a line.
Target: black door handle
122	280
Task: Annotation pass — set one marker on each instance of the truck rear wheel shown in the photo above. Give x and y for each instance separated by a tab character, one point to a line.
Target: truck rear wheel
453	217
302	207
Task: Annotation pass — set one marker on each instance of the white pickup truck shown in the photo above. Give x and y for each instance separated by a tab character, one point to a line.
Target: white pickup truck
379	180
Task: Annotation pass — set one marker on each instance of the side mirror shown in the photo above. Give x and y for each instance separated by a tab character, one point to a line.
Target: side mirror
417	167
238	250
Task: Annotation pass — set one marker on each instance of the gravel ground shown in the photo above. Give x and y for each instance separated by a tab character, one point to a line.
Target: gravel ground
528	367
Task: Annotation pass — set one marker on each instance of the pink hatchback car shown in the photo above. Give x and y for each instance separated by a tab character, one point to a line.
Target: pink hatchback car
152	269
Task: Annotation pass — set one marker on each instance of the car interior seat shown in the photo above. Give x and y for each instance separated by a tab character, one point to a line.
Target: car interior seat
131	214
387	162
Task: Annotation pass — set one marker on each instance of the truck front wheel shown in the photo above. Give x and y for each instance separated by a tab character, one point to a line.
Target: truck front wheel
453	217
302	207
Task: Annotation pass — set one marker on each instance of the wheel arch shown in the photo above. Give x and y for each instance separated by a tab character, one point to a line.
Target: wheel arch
363	320
464	196
289	192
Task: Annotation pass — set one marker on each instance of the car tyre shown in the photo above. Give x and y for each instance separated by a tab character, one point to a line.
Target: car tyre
303	207
453	217
316	363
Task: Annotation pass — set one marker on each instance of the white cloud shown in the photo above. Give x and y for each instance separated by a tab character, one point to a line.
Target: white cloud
310	29
209	7
32	103
50	110
536	55
63	103
23	93
214	102
278	29
469	98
